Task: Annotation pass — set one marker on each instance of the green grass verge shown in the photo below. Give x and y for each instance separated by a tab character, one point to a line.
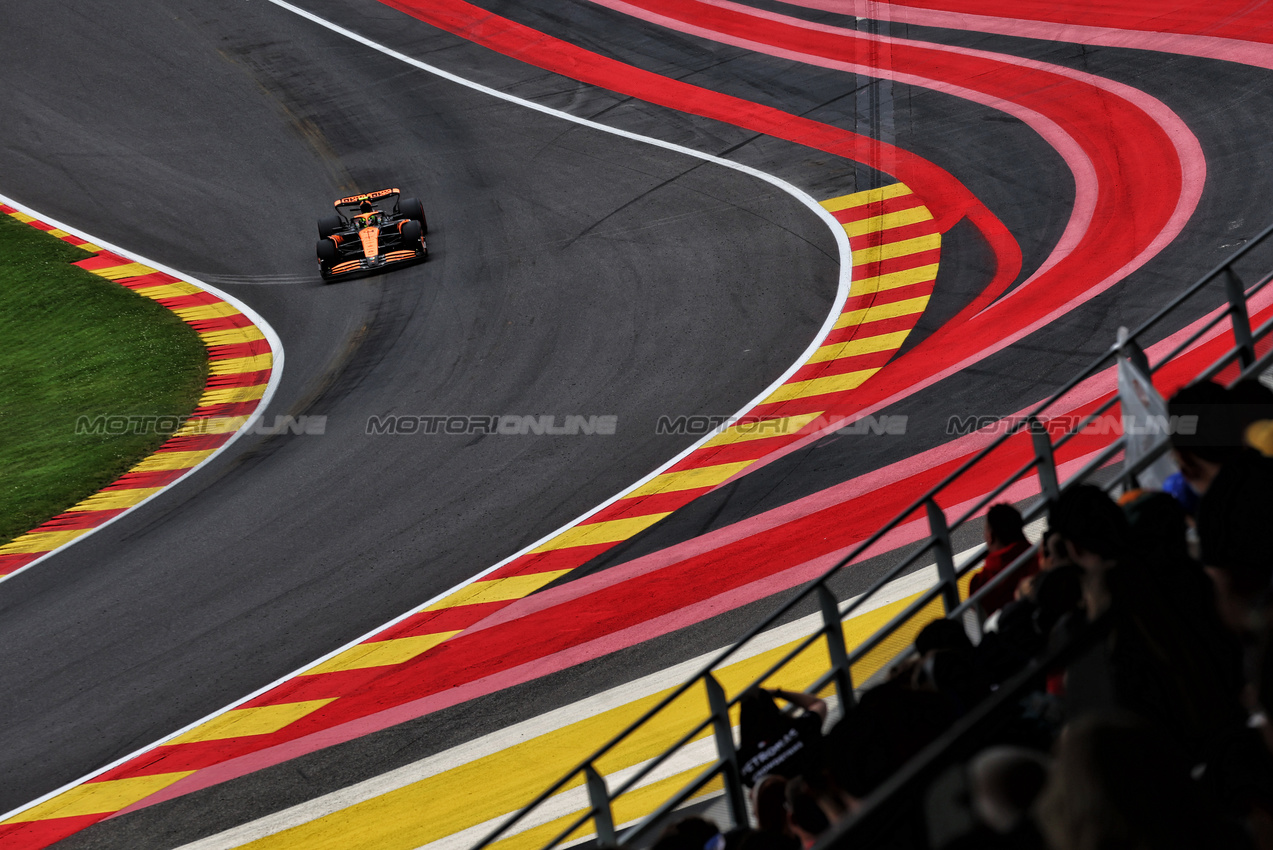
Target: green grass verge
75	345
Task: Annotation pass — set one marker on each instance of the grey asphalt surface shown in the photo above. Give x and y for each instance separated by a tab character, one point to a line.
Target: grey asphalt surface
572	273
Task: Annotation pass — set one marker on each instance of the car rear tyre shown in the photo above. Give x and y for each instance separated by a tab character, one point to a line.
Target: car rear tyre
328	225
414	210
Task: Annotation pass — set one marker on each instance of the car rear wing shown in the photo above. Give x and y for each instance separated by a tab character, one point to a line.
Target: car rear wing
355	200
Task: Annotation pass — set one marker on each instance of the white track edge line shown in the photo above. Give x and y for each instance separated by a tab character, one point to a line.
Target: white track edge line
276	369
276	373
551	721
842	294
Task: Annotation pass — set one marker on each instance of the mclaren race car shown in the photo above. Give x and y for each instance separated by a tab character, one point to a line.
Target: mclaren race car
371	232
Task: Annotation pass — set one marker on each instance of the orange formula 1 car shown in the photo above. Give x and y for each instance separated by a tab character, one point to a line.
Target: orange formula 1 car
370	232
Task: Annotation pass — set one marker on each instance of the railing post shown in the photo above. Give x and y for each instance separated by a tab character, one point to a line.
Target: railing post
1046	461
940	533
725	750
839	654
1239	317
602	816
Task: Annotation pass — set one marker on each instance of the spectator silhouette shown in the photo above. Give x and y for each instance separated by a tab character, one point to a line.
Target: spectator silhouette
773	742
1235	484
1160	659
770	807
1119	782
690	833
890	724
1006	541
803	814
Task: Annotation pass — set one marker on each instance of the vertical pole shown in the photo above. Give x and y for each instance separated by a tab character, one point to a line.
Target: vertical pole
602	817
726	751
1239	317
1046	462
940	533
836	649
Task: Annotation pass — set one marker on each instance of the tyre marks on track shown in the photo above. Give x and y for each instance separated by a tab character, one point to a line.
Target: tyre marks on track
337	700
1138	170
896	250
451	800
240	366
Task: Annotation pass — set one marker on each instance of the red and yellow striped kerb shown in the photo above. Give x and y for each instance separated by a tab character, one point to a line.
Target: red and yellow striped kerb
896	247
895	254
239	365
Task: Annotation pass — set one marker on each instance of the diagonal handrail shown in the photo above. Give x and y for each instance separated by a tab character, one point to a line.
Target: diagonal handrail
1042	464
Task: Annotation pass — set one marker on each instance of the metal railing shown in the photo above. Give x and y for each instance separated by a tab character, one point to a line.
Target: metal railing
1242	359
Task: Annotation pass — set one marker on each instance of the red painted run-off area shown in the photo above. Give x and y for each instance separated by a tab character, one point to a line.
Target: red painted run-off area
1237	19
1140	179
1148	169
1141	187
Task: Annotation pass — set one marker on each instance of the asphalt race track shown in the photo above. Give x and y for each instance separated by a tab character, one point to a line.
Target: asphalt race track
571	272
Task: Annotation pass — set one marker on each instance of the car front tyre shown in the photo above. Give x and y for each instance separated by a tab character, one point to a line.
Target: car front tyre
414	210
327	225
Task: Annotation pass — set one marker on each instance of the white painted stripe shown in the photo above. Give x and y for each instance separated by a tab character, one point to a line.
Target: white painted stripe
834	226
569	801
575	800
276	374
842	294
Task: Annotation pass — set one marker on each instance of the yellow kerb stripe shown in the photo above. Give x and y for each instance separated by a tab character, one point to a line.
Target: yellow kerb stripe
230	336
892	280
498	589
161	461
94	798
760	430
203	312
892	250
22	217
888	221
232	395
235	365
689	479
636	803
381	653
876	312
489	787
865	345
121	272
857	199
168	290
241	722
211	425
40	541
821	386
610	531
109	500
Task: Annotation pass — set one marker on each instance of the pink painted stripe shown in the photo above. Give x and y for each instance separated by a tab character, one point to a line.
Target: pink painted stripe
1188	149
1091	390
1235	50
913	465
591	650
1096	387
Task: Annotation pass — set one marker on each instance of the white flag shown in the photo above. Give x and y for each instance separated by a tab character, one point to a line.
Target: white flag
1145	421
